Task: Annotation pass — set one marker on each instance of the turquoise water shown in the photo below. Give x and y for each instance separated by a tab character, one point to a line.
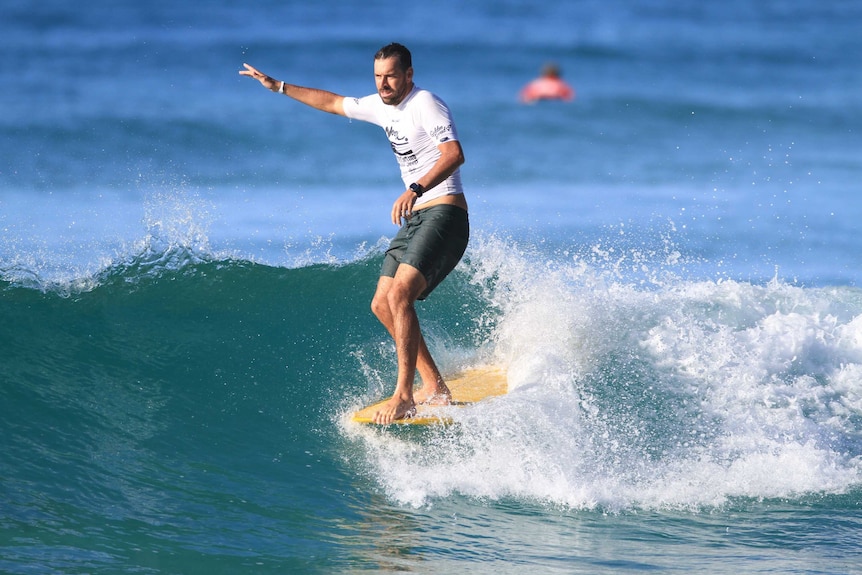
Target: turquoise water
195	419
668	267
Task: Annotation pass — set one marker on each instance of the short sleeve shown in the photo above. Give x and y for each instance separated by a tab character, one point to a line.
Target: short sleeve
437	120
363	109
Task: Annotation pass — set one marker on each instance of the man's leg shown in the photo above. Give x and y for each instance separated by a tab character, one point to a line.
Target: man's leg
393	305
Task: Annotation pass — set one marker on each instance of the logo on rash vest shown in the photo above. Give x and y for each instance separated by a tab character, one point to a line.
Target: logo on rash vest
401	147
406	158
393	135
437	132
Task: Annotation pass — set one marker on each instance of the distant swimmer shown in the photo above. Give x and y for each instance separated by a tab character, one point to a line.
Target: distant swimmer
549	86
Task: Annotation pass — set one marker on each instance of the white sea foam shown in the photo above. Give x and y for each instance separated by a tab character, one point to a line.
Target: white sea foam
684	394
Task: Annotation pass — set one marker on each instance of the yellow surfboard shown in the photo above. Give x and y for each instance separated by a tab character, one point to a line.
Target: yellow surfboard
472	385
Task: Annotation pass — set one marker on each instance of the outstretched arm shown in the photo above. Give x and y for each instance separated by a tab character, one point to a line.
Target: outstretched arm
319	99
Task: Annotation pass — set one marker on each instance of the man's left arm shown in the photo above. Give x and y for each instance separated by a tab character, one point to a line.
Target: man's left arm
451	158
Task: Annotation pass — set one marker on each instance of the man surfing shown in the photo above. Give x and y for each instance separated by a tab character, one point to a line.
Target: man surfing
431	212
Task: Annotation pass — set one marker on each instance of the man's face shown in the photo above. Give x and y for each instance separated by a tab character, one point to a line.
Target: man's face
393	84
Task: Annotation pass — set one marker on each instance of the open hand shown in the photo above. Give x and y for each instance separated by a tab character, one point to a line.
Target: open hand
252	72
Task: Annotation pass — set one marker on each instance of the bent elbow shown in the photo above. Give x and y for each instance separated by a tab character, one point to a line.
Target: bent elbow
458	156
451	155
459	161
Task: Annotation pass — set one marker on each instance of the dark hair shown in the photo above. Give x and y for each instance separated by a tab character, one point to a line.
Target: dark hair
405	60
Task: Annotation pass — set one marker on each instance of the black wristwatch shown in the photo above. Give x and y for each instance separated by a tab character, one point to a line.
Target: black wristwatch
417	189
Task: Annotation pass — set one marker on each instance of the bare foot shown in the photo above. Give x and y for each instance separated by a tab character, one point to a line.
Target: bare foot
395	408
433	395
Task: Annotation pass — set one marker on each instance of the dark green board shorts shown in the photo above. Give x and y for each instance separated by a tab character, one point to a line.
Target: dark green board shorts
431	240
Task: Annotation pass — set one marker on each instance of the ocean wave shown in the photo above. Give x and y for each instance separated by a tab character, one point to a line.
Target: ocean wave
683	394
630	386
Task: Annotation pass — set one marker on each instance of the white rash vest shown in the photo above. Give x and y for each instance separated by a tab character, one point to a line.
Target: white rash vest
415	128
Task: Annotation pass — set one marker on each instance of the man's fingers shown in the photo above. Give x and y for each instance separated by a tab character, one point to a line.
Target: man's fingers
252	72
402	207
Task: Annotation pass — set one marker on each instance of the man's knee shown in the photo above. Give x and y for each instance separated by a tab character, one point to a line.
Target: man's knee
399	296
406	287
380	305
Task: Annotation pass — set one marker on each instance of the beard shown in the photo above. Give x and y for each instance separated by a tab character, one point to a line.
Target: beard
392	97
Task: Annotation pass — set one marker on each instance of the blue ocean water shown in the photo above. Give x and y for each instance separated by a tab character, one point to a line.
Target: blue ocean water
668	267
